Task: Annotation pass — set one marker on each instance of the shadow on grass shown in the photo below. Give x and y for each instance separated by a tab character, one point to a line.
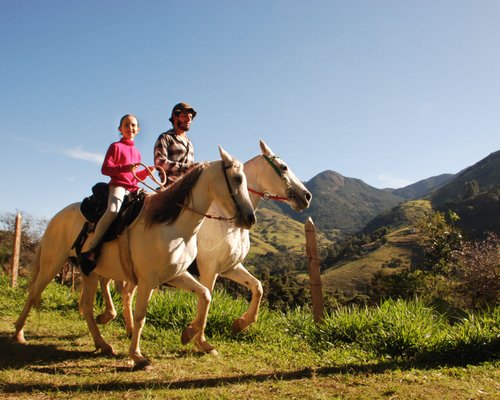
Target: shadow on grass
41	358
16	356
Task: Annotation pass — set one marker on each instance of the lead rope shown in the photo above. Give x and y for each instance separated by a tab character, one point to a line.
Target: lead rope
153	178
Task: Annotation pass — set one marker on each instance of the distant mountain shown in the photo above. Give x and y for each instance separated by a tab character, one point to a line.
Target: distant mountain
343	204
474	194
485	173
422	188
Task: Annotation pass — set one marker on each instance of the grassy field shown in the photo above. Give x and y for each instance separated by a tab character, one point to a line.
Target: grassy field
274	229
395	351
356	275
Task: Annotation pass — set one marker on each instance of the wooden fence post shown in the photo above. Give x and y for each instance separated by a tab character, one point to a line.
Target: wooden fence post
16	249
314	271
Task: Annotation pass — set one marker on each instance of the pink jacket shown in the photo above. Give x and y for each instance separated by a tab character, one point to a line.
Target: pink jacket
116	165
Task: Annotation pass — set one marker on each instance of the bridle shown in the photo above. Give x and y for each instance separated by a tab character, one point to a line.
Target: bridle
268	196
233	197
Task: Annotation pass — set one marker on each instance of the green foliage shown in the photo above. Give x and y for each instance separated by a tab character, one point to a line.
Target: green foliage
173	309
440	240
463	273
404	329
59	298
279	274
407	330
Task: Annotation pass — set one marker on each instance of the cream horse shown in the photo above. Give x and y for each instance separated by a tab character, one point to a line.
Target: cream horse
222	247
162	246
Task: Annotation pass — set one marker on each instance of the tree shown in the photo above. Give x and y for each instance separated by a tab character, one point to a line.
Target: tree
31	231
440	240
471	189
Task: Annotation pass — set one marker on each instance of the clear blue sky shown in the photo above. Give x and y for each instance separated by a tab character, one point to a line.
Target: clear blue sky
389	92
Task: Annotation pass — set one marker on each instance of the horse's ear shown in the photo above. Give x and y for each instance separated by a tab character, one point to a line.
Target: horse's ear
225	155
264	148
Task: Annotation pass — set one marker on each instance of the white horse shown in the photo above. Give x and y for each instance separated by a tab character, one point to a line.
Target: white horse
162	246
222	247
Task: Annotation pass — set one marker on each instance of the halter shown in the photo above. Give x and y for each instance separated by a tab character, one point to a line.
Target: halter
268	196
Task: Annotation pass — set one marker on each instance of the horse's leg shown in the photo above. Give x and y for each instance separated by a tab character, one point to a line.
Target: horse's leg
240	275
45	268
87	297
141	305
196	329
128	290
109	312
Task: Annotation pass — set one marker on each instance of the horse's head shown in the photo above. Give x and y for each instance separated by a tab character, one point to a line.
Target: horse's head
231	191
278	180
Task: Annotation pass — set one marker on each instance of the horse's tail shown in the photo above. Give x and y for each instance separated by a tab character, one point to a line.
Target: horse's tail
35	270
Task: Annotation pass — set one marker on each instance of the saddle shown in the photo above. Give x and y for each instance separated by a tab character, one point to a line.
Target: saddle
93	208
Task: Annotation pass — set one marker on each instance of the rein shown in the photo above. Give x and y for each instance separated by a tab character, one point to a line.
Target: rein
266	195
206	215
153	178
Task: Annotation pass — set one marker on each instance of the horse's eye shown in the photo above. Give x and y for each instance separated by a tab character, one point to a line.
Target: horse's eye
238	179
284	168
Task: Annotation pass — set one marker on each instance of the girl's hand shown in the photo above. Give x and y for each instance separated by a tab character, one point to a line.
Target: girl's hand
133	167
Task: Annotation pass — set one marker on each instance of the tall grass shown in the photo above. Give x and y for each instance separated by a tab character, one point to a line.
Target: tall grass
408	330
403	329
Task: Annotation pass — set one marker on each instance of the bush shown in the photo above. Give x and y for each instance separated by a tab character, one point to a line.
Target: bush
479	272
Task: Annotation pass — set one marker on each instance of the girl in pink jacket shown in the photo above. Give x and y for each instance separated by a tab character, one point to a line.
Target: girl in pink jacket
121	161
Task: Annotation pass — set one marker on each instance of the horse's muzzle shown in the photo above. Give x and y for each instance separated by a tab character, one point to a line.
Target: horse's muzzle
246	221
299	200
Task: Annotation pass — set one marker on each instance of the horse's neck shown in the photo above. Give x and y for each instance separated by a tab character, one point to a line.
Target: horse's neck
200	201
252	169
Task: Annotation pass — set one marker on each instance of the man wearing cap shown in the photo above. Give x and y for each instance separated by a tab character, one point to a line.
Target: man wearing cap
173	151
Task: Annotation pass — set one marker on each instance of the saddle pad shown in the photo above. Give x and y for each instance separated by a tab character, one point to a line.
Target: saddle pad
94	206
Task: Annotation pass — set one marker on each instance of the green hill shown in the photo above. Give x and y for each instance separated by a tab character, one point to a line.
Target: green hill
398	252
402	215
275	232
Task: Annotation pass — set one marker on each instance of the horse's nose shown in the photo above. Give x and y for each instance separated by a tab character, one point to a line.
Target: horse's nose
252	219
308	196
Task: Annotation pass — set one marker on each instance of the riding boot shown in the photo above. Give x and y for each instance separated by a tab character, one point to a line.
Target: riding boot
88	260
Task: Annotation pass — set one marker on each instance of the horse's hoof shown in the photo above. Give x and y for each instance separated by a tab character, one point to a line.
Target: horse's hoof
213	353
187	335
238	325
142	365
207	348
107	350
18	337
103	319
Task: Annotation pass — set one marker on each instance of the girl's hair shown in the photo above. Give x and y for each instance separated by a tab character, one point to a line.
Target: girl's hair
125	116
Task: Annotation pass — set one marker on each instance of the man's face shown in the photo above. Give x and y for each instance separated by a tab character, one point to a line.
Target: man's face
182	121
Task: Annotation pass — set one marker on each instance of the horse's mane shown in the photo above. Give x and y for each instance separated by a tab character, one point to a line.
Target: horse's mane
164	207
